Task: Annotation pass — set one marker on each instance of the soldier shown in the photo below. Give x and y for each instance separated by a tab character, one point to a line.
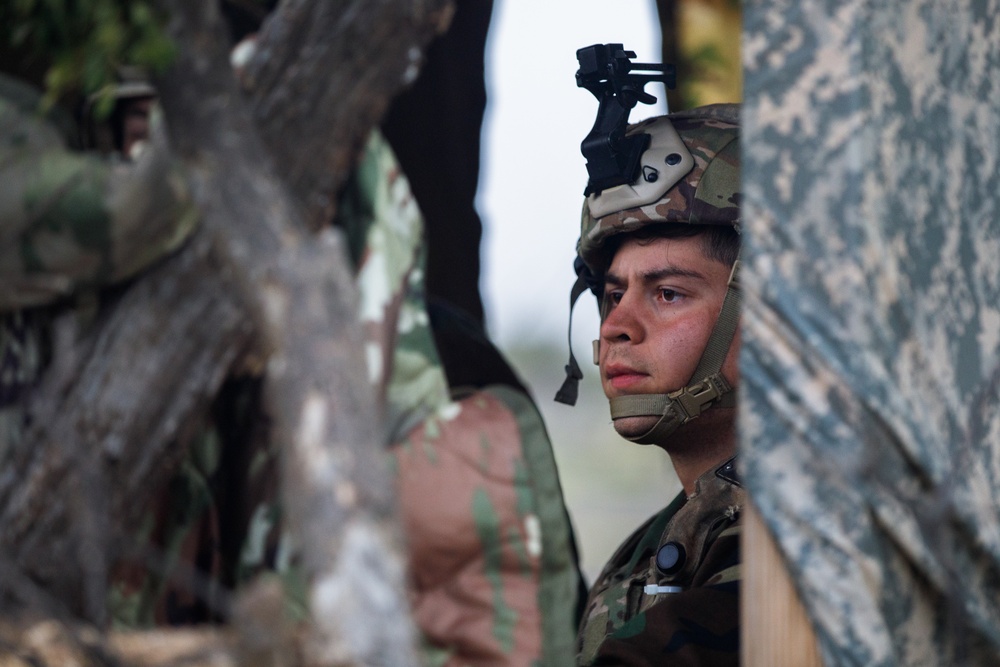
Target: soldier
660	251
134	100
125	131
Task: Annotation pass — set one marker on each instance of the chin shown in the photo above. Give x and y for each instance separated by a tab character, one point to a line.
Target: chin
631	427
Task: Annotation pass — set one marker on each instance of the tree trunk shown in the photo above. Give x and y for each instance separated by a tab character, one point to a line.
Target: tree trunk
107	421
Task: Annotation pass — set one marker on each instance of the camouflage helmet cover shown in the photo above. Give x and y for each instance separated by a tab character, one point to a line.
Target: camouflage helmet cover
694	160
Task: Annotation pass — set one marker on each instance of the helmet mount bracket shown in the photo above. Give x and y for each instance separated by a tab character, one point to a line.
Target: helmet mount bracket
607	71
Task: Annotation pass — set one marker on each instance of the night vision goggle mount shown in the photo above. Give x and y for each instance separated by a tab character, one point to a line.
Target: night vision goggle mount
607	71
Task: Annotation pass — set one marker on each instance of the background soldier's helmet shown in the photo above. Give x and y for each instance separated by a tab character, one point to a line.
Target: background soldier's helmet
105	133
133	82
689	174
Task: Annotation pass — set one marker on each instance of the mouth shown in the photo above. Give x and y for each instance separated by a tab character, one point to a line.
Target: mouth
622	377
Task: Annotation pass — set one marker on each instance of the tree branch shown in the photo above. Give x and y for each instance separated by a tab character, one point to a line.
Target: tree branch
323	77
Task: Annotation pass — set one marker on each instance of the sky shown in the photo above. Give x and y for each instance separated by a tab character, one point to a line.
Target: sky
533	175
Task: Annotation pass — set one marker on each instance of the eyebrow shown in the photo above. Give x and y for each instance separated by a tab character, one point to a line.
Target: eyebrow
654	276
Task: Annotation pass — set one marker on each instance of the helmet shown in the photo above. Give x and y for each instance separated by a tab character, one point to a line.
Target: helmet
133	82
688	172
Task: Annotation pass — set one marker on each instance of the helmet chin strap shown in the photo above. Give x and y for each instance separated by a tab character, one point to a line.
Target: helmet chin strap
706	388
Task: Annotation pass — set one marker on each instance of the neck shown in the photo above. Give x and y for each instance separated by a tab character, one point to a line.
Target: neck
701	445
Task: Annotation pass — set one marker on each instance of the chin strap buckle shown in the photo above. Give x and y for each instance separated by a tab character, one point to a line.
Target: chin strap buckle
695	399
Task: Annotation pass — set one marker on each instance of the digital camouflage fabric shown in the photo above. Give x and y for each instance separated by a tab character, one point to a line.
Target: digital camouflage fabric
626	623
870	414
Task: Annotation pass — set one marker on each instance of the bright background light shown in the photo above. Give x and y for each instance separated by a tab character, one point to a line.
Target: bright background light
533	173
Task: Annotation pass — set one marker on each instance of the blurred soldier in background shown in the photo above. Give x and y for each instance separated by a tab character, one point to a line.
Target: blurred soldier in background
493	567
72	225
124	127
129	122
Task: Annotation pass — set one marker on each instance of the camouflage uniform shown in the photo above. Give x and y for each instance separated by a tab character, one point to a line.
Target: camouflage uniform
493	568
627	622
871	355
71	221
670	594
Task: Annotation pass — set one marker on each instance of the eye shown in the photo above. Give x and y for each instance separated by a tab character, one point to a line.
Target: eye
615	296
669	295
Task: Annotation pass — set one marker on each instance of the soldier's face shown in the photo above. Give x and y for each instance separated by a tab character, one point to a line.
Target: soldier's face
135	123
664	298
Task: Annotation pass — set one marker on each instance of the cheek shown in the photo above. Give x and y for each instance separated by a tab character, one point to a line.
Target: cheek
684	333
681	344
137	128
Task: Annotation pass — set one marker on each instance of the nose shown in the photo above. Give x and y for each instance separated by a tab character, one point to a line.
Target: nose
622	321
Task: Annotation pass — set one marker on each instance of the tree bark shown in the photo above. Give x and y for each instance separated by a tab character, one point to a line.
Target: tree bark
107	421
